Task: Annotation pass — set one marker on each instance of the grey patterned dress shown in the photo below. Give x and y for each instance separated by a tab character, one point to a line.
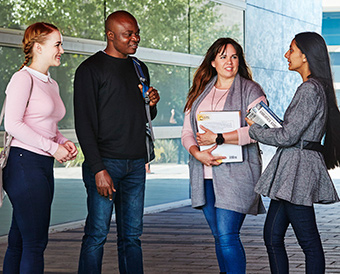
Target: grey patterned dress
297	175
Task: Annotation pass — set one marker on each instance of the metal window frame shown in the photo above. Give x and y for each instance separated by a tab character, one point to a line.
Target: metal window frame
333	48
13	38
237	4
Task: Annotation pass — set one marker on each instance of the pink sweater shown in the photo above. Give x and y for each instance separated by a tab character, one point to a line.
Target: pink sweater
215	100
34	127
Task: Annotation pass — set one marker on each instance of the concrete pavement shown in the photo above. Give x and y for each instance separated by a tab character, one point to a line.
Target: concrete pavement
179	241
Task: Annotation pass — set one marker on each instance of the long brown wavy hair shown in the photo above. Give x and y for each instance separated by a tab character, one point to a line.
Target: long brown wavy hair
206	71
36	32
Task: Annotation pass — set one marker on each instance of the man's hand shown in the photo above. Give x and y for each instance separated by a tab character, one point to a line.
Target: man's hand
104	183
153	95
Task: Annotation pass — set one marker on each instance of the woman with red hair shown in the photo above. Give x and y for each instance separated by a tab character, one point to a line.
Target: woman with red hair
33	110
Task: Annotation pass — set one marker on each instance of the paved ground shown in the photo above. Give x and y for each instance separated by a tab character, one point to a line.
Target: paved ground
179	241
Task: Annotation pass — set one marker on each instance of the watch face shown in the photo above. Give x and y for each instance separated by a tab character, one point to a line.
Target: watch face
219	139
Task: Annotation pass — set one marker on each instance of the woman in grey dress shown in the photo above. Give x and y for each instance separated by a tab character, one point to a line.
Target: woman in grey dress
297	175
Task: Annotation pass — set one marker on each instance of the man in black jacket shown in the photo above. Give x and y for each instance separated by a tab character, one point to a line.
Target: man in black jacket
110	124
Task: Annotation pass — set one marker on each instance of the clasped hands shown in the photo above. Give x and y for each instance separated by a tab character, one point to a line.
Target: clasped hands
66	152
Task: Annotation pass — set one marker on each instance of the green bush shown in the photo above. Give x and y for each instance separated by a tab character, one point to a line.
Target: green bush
77	162
165	151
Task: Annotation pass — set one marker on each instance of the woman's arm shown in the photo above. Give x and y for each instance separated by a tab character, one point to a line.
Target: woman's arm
299	115
187	137
190	144
236	137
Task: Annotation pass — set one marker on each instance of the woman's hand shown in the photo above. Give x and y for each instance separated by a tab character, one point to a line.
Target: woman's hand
66	152
205	156
206	138
62	154
72	149
249	122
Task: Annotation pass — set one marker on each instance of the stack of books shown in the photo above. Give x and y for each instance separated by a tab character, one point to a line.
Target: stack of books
261	114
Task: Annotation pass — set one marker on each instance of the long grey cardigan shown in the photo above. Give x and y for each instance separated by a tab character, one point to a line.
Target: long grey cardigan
298	175
233	182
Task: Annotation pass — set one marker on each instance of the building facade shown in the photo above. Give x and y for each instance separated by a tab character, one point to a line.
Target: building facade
175	34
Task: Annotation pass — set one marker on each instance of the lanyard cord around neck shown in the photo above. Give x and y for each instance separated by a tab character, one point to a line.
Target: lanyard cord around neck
219	100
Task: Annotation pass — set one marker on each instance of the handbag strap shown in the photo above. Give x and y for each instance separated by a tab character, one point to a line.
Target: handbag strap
145	85
2	111
2	114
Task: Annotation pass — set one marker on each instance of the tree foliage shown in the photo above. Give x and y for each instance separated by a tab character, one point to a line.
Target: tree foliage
188	26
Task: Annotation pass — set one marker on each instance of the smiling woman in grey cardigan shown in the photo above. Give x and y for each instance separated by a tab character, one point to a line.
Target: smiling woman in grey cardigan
225	192
297	175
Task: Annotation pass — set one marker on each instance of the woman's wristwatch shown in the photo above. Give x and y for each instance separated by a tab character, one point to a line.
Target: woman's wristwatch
219	139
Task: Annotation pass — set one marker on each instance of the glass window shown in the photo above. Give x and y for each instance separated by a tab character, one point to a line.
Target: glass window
177	26
330	27
74	18
180	26
335	61
64	75
164	24
173	85
177	29
210	21
11	60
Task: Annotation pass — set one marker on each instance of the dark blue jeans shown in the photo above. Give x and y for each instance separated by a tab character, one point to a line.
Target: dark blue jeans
129	180
225	226
29	183
302	218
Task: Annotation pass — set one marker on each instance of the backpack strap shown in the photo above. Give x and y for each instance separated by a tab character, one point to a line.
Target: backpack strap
145	85
141	76
139	70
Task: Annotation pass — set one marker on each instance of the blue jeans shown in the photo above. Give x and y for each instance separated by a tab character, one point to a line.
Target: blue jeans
29	183
129	180
225	226
302	218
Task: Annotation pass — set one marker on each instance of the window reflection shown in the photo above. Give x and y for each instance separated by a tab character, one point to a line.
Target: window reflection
173	26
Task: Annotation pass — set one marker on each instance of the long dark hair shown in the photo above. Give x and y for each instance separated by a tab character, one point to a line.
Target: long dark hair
315	49
206	71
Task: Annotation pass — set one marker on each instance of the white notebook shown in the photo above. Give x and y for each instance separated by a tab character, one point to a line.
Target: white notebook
221	122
